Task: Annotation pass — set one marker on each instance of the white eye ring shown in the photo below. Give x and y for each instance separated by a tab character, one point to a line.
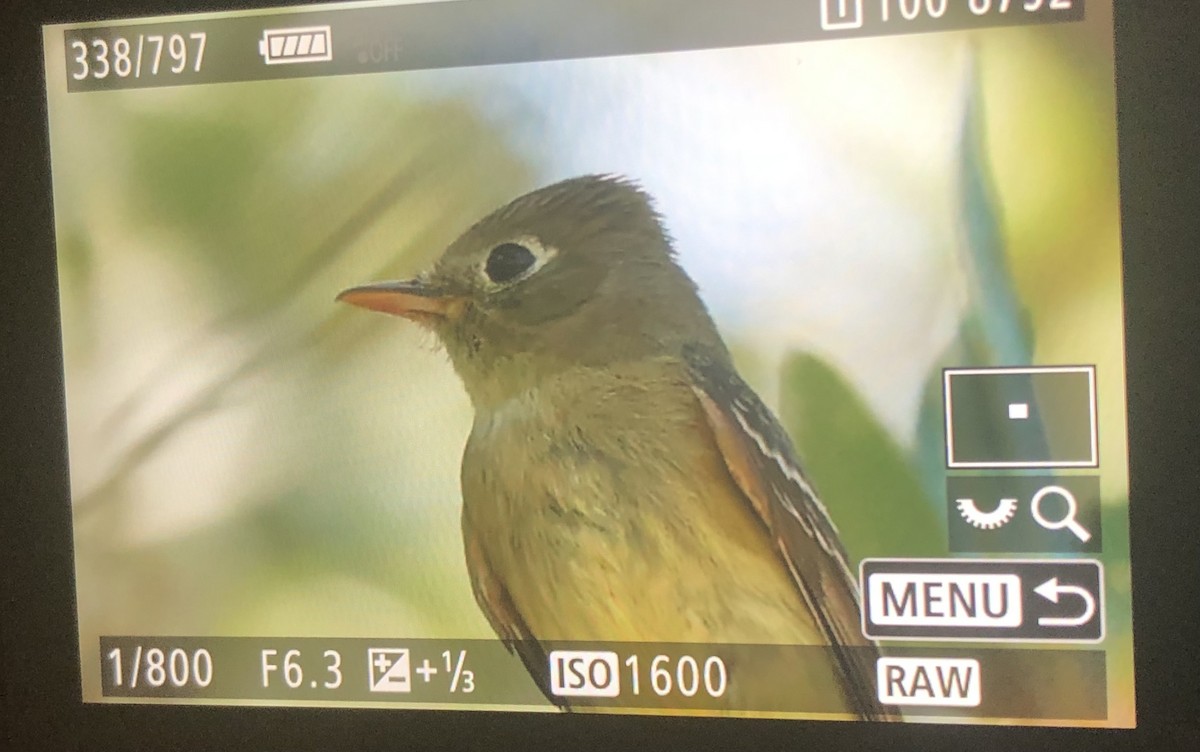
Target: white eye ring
542	255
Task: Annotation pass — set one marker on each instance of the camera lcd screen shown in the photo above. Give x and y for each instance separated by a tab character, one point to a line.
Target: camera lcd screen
706	358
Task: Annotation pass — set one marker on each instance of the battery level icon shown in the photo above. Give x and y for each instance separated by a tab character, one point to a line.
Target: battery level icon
310	44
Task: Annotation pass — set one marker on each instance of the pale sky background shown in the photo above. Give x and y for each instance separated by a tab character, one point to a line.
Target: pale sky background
807	186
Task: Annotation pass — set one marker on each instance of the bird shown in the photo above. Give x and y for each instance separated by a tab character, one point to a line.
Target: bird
621	482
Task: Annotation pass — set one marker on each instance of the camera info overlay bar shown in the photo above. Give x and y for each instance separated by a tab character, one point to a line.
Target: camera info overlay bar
1036	684
247	47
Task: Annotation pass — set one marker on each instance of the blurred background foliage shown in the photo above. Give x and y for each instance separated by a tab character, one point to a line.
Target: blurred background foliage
248	458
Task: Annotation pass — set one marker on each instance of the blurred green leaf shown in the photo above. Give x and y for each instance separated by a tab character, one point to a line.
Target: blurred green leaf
996	329
1003	324
929	455
862	474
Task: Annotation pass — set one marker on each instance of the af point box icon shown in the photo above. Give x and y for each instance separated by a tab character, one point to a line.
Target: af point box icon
1021	417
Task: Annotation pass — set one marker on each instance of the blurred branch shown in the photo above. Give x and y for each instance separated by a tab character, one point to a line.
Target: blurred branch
208	400
324	255
211	396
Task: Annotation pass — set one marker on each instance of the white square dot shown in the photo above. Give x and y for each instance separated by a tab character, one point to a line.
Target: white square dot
1018	411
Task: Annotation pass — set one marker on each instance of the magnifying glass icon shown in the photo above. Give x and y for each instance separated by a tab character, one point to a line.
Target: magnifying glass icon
1068	520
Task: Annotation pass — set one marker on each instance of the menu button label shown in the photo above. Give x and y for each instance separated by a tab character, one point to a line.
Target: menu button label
945	600
987	600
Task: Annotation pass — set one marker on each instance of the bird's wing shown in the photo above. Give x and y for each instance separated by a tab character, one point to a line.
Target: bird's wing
496	603
763	463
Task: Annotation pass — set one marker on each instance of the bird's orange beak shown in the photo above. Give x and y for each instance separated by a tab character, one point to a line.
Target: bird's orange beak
412	299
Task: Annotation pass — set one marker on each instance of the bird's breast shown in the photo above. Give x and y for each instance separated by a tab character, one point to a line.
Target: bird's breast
605	508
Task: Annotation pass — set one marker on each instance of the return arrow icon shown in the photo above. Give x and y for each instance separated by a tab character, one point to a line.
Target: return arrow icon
1051	590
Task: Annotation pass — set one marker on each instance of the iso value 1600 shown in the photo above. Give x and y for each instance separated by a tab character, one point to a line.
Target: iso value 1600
602	673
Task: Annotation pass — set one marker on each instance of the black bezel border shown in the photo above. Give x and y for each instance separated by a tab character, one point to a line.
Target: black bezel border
40	708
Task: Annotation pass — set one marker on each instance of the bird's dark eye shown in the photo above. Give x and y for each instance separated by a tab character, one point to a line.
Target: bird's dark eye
508	261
